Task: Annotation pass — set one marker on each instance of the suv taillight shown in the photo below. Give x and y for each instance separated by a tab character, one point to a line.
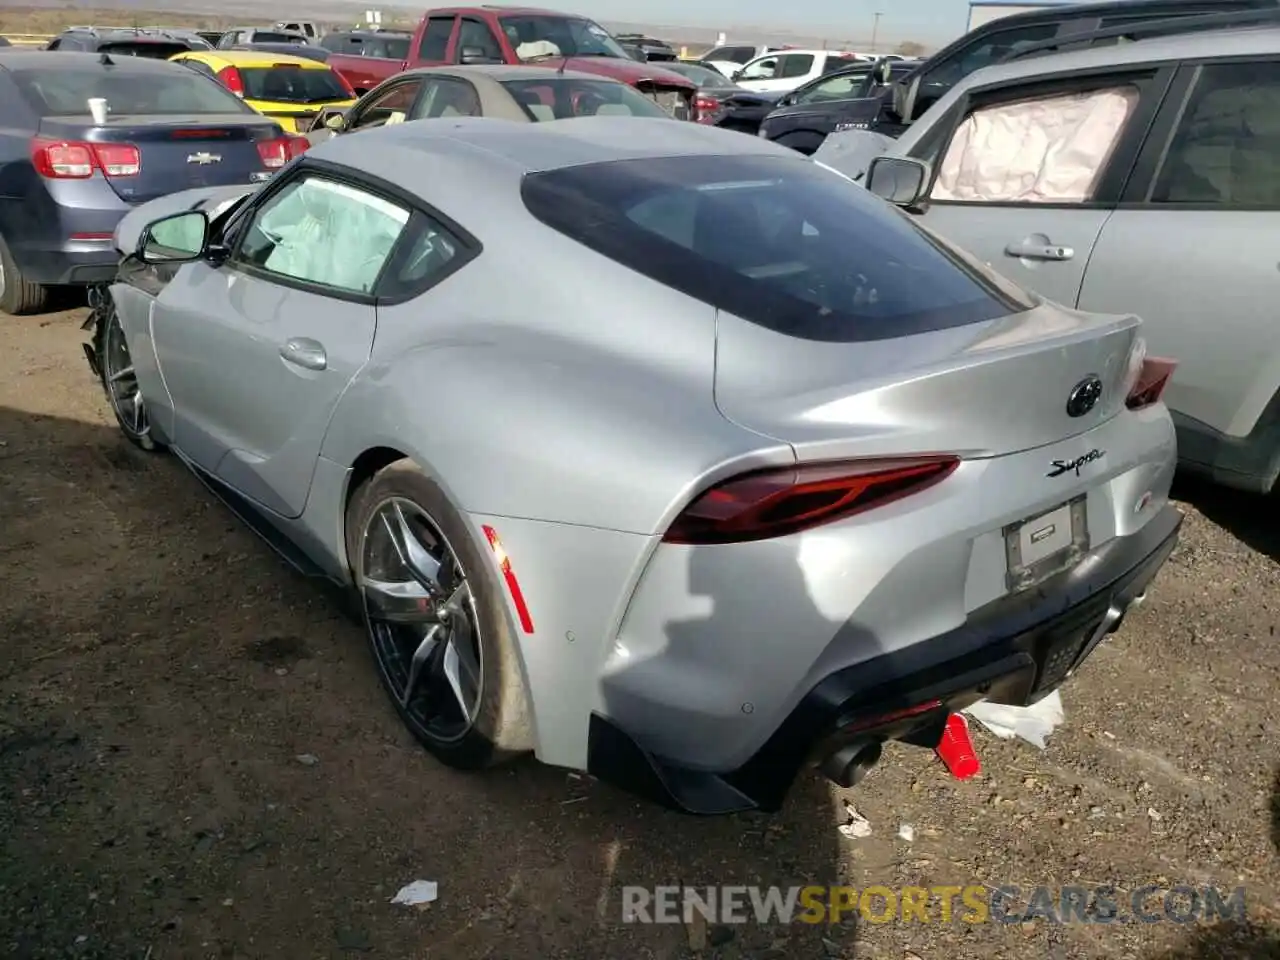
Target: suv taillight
77	160
230	78
774	503
276	153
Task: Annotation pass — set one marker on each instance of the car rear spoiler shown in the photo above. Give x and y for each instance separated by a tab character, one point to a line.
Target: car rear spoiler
1164	27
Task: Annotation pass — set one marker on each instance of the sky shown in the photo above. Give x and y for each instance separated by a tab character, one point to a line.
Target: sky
926	21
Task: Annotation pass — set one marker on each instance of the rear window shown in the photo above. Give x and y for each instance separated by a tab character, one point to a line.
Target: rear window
271	36
65	93
777	241
292	85
152	50
559	99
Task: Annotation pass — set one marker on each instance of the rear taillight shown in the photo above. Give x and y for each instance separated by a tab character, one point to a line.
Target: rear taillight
774	503
706	108
77	160
1153	377
276	153
1146	377
230	78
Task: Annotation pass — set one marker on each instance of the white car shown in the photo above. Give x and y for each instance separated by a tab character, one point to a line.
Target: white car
784	70
729	58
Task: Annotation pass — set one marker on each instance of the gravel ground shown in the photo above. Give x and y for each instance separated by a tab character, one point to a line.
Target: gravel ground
161	672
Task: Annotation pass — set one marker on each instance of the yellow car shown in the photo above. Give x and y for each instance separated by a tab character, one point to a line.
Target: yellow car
291	90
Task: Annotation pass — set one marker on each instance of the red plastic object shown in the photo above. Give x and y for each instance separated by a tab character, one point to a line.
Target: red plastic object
956	749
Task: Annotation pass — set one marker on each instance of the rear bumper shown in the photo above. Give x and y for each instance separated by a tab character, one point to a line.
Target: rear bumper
1016	650
72	262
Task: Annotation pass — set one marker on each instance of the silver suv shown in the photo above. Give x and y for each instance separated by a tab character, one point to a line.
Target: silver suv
1142	177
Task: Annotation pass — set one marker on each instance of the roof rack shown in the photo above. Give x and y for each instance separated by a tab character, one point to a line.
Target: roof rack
1166	27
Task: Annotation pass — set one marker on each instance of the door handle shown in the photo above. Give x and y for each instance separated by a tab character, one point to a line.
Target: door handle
1030	250
305	352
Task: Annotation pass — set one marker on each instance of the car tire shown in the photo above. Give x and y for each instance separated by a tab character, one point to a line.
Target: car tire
499	729
111	350
18	295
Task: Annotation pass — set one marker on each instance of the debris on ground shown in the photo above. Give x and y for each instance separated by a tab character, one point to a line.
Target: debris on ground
858	825
907	832
307	759
417	894
1032	724
956	750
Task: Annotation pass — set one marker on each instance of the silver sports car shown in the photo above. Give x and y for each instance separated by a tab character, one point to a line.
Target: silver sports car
656	450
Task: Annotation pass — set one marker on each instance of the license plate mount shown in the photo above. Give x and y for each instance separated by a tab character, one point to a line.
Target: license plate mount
1048	543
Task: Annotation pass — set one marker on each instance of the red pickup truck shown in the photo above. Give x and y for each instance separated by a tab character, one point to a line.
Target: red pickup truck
365	58
531	37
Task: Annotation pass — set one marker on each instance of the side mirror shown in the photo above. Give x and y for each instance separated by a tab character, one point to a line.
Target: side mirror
736	75
883	73
335	122
178	238
900	180
474	55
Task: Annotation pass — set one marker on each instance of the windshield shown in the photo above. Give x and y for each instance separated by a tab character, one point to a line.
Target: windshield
534	37
152	49
561	98
65	93
777	241
292	85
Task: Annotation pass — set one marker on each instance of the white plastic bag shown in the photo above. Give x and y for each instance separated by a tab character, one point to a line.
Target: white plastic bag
1032	724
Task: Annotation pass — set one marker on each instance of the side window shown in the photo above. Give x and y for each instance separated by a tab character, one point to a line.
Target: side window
322	232
1226	149
435	39
984	52
476	34
387	107
1050	149
795	65
450	98
739	54
765	69
837	88
332	42
55	44
430	252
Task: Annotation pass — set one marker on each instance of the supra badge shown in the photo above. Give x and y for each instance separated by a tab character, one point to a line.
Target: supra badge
1073	466
204	159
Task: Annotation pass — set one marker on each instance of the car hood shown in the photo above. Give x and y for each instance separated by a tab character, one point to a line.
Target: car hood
212	200
628	71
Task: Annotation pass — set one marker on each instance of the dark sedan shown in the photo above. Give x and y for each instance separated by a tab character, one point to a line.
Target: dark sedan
803	118
289	49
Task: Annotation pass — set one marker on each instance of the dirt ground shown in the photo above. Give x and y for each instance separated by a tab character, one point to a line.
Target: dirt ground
161	672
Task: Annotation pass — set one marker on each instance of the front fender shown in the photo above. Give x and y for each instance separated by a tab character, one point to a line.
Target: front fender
551	433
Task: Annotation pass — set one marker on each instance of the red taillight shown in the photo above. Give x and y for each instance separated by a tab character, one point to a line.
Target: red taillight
774	503
231	79
76	160
509	577
276	153
706	108
1152	378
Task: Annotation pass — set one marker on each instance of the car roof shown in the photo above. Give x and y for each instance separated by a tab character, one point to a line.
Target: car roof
255	58
1243	42
67	61
500	71
499	11
520	148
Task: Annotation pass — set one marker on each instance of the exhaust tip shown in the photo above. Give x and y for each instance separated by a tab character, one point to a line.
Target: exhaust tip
849	765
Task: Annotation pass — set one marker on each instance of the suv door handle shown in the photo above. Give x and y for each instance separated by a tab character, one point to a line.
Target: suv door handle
1028	250
305	352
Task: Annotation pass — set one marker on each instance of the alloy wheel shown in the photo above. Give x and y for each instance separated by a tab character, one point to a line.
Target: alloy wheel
422	620
122	383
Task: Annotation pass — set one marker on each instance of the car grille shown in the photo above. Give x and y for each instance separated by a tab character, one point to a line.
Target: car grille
675	102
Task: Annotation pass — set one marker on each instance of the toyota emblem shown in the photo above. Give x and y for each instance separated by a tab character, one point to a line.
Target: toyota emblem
1084	396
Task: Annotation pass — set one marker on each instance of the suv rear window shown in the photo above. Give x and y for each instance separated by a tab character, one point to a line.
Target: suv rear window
53	92
152	49
292	84
777	241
